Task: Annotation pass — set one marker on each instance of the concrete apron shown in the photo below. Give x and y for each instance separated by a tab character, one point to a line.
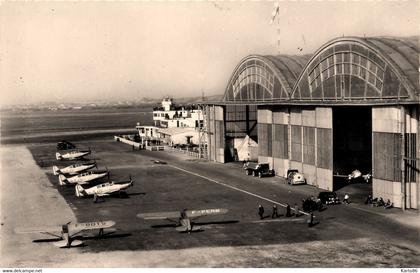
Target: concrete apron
28	200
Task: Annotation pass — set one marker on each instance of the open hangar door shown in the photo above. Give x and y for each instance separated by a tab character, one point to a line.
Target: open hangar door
352	147
241	134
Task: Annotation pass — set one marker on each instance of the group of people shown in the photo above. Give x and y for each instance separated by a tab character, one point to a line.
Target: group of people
275	213
311	221
378	202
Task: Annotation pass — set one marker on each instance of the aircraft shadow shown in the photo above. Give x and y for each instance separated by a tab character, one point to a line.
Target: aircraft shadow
49	240
197	224
227	222
105	236
136	193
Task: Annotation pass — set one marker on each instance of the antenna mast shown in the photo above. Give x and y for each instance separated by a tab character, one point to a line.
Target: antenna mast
274	16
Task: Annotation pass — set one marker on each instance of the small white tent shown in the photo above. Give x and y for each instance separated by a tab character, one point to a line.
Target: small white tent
247	149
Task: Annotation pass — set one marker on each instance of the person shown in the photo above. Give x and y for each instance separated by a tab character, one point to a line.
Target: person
388	204
274	214
346	198
311	220
380	202
261	211
368	200
296	210
288	214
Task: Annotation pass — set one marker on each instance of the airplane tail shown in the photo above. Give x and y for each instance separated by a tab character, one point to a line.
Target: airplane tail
58	156
62	180
80	191
56	170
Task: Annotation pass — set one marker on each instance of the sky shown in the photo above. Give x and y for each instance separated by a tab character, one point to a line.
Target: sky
108	50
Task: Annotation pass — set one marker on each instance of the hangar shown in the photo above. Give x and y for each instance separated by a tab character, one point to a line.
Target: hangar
353	104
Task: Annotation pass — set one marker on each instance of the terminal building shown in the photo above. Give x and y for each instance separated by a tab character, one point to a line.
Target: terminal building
353	104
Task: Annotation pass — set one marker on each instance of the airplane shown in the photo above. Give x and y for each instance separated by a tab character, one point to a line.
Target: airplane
104	189
83	178
182	218
73	155
75	168
65	233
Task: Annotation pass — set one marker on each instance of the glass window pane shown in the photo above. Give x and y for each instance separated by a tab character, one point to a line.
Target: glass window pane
378	84
331	73
324	74
346	68
339	69
380	74
363	61
362	73
346	57
330	60
338	58
371	78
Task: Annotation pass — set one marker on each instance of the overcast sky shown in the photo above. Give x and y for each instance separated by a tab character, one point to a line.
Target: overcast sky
75	51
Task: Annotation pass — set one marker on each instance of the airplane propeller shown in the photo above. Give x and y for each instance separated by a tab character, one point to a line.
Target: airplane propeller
131	181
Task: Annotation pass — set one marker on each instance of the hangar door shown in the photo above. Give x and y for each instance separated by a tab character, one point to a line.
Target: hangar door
311	144
324	151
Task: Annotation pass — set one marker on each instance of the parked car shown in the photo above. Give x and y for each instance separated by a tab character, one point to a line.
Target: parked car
65	145
329	198
311	204
294	177
258	169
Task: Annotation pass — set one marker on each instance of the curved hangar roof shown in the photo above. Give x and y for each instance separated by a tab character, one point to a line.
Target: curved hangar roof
344	70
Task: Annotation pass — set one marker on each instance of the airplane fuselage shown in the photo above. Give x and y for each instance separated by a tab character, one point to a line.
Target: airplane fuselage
82	178
104	189
72	155
75	169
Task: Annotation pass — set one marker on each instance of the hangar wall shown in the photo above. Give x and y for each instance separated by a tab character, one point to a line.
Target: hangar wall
215	133
298	138
394	178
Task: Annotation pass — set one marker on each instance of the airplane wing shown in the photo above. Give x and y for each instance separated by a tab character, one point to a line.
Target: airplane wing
54	231
104	194
204	212
160	215
42	229
91	225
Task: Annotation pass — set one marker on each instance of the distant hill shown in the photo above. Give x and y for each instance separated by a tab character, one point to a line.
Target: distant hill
185	100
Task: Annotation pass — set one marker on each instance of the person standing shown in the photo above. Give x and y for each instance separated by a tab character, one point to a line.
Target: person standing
288	213
346	199
274	214
296	210
311	220
261	211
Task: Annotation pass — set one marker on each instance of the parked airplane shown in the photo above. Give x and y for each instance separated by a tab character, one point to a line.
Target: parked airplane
83	178
104	189
75	168
182	218
73	155
65	233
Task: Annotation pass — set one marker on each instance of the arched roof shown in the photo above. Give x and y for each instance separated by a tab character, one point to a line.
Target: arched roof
259	78
344	70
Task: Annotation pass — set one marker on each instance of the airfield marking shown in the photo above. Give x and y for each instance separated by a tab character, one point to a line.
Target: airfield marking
234	188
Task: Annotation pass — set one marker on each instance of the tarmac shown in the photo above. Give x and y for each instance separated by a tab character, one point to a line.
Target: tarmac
239	239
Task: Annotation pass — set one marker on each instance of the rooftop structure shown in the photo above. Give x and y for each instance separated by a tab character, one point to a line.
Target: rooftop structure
169	115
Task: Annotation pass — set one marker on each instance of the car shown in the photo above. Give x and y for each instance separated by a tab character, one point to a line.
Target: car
328	198
258	169
311	204
294	177
65	145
